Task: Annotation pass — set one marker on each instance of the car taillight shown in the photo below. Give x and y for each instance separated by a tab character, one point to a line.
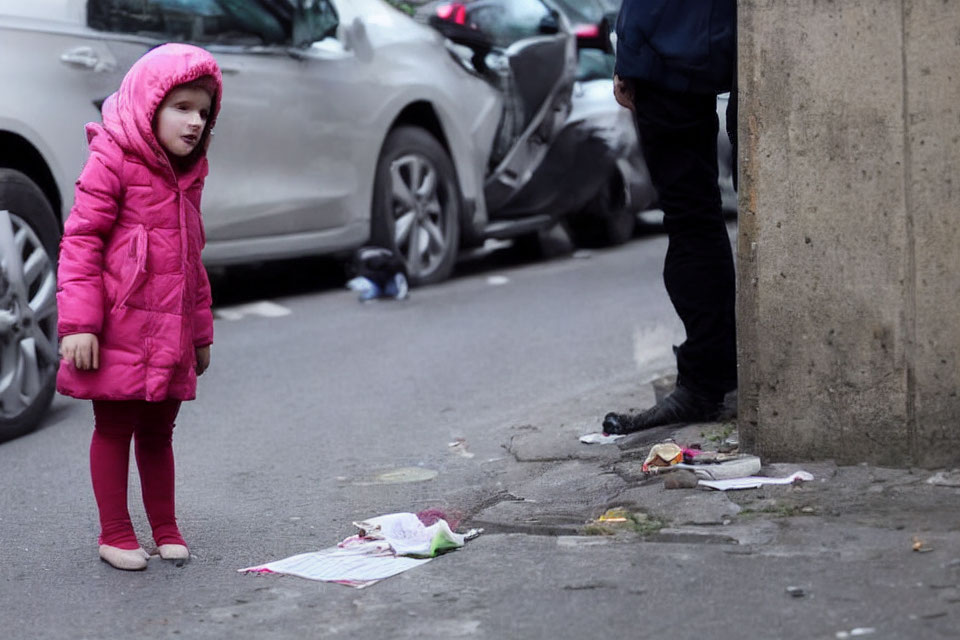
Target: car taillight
454	12
587	31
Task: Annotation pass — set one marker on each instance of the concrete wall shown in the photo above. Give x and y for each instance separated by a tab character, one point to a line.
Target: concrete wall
849	239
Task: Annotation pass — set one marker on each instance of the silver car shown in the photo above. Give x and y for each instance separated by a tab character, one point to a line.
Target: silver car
344	122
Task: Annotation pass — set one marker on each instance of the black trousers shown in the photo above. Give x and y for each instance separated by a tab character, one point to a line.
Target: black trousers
678	134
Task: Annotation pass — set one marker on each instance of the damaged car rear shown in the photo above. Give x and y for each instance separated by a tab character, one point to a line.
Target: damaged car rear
590	172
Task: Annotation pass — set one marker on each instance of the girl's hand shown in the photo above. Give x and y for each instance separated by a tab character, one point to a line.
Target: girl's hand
82	349
203	359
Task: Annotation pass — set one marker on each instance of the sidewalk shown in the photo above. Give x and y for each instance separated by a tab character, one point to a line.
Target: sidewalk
891	519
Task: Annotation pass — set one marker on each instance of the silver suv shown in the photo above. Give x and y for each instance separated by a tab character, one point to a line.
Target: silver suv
344	122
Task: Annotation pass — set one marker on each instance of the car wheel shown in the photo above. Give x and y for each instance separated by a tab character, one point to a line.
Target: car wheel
28	304
606	220
416	205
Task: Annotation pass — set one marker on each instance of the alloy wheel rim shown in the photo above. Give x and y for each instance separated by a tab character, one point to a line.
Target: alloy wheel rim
28	316
421	228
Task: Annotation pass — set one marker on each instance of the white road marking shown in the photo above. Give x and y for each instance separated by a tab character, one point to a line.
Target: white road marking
653	346
264	309
496	281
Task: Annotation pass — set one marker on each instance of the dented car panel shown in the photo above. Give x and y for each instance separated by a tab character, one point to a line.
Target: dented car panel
526	51
597	139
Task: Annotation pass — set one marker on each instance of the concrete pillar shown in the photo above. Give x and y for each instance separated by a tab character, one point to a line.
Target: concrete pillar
849	235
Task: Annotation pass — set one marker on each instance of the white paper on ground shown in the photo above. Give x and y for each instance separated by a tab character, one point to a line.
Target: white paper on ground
334	564
754	482
381	550
600	438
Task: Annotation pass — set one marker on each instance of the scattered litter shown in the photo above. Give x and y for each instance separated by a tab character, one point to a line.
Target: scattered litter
665	454
459	447
619	519
755	482
385	546
720	467
356	566
380	274
853	633
600	438
731	444
614	516
408	536
920	546
945	478
496	281
808	510
796	592
693	451
397	288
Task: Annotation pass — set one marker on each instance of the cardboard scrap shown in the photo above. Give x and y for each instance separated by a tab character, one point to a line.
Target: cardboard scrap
754	482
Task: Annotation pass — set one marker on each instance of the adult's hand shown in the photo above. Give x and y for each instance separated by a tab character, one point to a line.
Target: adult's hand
623	92
82	349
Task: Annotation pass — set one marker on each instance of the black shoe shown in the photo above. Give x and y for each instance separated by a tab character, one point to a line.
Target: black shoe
680	407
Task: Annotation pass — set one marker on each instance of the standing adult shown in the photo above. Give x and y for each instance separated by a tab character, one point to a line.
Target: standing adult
673	58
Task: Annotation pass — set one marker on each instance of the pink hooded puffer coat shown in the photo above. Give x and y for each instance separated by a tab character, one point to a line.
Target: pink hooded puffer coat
130	269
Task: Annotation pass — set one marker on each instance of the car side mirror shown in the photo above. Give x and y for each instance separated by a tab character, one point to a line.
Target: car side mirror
354	38
550	23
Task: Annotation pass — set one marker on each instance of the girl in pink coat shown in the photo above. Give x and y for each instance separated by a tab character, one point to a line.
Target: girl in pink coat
134	298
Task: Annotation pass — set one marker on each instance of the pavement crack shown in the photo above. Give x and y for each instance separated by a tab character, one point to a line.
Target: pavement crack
488	502
589	586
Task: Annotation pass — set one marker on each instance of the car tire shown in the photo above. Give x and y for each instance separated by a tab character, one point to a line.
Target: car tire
29	236
606	220
417	205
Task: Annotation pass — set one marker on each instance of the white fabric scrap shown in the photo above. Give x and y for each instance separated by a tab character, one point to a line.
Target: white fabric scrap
754	482
600	438
406	535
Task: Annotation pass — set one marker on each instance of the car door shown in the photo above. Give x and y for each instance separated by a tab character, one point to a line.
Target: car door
282	171
280	182
58	71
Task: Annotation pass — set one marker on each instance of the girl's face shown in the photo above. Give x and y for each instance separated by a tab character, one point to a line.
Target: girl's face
181	119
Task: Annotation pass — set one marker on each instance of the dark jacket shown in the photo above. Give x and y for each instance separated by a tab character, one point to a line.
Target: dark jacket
682	45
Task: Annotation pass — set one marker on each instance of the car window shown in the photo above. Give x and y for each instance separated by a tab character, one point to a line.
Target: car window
235	22
581	11
407	7
314	21
507	21
593	64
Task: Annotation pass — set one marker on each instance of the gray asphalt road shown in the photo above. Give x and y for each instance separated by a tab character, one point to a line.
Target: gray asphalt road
296	419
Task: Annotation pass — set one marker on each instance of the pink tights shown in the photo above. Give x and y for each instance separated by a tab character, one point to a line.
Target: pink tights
151	426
